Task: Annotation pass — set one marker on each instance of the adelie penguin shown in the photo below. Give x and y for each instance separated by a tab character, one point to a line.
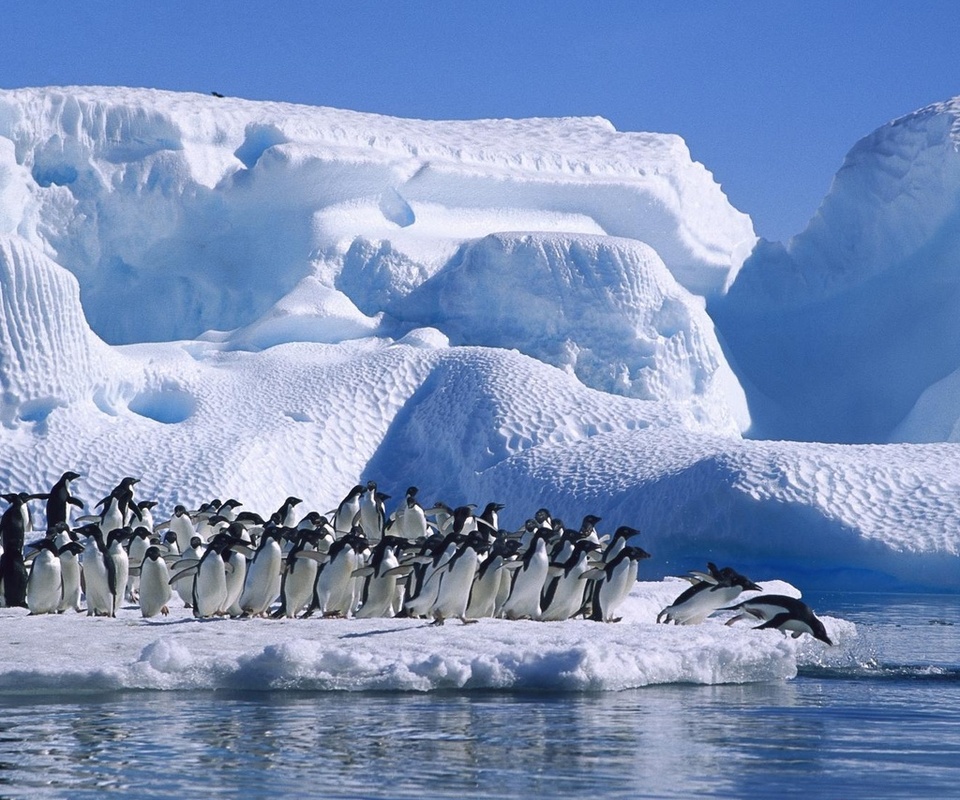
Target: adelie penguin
712	591
44	586
617	578
14	524
786	614
347	511
60	499
529	578
155	590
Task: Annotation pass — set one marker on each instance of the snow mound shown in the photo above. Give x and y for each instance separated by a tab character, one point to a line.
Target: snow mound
605	309
221	206
837	334
48	355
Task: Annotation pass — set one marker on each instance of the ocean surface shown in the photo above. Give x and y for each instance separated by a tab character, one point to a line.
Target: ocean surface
887	726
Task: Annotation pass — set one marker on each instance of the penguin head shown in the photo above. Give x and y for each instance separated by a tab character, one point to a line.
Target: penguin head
153	553
819	631
69	475
625	532
589	523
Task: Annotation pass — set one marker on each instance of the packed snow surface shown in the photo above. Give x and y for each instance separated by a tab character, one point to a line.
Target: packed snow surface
97	654
227	298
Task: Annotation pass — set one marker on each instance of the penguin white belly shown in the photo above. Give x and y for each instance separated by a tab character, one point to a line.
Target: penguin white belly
262	586
155	592
44	584
235	580
121	567
696	609
210	587
298	586
524	600
568	596
335	585
97	594
454	591
483	594
70	578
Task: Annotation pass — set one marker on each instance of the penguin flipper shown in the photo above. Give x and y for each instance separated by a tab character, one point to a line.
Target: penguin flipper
362	572
313	555
184	573
592	574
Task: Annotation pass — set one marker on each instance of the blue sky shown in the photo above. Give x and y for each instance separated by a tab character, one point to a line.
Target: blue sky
768	94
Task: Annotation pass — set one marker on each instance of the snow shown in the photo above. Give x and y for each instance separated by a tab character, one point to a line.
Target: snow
99	654
839	333
250	299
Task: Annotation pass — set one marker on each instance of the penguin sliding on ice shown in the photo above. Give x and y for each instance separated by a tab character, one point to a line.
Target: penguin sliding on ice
712	591
787	614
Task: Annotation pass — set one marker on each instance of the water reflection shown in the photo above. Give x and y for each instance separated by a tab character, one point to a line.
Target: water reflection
672	741
886	731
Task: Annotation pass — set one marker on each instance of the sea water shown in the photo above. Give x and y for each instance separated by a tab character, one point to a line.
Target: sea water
887	725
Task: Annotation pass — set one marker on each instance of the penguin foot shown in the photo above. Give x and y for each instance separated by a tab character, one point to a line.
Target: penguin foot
466	621
165	611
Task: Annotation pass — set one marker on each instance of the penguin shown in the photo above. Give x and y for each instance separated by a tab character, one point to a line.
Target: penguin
615	581
210	578
564	592
70	575
94	565
145	507
155	593
286	515
371	512
424	592
299	576
348	509
530	575
712	591
59	499
189	557
410	520
618	541
489	521
588	528
235	563
378	595
262	585
14	524
442	517
182	525
228	509
455	579
44	586
137	549
787	614
485	595
334	592
118	506
118	567
613	548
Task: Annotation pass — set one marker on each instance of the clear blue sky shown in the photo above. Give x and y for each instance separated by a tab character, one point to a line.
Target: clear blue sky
768	94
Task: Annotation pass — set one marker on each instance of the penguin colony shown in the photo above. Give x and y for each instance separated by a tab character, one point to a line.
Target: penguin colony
437	563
